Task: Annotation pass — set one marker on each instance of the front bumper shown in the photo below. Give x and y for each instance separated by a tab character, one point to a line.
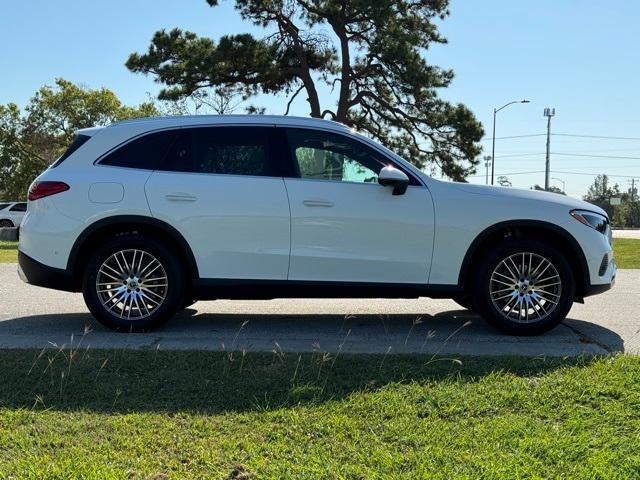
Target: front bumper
610	274
35	273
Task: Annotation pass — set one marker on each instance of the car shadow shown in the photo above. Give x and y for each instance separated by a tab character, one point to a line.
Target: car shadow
87	367
454	331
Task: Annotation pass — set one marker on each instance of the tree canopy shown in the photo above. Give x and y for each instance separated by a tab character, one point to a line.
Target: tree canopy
372	52
32	138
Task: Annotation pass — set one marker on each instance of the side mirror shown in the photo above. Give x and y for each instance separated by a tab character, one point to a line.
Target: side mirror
392	177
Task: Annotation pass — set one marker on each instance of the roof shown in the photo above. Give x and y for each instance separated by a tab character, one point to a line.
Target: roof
154	122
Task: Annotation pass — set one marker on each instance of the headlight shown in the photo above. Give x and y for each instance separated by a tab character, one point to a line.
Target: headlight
592	219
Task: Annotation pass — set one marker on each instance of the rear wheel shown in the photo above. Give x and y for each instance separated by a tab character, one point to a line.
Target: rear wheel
525	287
6	224
133	283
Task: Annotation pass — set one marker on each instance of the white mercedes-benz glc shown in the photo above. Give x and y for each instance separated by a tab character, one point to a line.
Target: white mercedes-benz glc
146	216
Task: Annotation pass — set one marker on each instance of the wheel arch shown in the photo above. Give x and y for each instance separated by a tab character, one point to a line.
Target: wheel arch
549	232
130	224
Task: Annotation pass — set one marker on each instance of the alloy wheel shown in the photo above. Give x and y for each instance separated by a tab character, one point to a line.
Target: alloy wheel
525	287
131	284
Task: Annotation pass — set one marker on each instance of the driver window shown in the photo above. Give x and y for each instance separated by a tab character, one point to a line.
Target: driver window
328	156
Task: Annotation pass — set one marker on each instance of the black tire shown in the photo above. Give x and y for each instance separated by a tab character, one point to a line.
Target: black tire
563	291
172	292
466	302
6	223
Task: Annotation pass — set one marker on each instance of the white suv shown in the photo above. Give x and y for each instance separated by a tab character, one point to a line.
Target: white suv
11	213
146	216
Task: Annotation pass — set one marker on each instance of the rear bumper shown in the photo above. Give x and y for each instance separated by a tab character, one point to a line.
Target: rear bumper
35	273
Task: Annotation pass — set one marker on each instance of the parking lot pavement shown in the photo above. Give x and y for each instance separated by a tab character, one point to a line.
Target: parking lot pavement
32	317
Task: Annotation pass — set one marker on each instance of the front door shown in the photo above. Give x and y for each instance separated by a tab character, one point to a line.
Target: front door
345	227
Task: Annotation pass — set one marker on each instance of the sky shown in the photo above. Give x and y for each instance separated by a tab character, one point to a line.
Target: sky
580	57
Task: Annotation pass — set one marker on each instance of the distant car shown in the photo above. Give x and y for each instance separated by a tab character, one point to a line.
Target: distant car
12	213
146	216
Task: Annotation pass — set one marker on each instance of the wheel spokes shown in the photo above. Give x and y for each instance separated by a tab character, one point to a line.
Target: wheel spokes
525	287
132	284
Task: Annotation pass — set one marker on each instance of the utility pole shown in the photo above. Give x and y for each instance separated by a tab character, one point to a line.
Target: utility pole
487	164
548	112
633	189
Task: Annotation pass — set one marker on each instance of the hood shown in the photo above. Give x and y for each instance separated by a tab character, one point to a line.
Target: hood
533	195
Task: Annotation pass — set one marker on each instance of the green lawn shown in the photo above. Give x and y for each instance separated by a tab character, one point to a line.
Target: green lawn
8	253
627	252
152	414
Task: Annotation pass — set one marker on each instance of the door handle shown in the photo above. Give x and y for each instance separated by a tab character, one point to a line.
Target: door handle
180	197
317	202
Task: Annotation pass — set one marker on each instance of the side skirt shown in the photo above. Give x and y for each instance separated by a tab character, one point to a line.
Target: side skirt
211	289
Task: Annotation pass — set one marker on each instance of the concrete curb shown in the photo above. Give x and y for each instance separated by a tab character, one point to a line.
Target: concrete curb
9	234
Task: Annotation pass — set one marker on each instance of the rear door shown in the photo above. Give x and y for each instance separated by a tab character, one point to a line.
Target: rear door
222	188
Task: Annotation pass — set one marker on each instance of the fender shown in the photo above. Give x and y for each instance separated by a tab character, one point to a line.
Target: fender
133	220
486	233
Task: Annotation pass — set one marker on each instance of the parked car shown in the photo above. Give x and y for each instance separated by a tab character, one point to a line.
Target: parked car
146	216
11	213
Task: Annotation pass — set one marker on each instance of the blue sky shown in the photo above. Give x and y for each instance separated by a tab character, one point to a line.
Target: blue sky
577	56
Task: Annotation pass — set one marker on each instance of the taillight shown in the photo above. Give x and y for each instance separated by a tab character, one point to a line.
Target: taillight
44	189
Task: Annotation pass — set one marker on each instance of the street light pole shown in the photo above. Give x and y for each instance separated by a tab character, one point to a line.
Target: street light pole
493	147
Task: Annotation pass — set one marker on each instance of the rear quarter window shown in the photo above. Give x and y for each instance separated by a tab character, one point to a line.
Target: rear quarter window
146	152
78	141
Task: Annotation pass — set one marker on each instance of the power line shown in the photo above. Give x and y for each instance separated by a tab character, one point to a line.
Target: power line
595	156
486	139
593	136
519	155
511	173
592	174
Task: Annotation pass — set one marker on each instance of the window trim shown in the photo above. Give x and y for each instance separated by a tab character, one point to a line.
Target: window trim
277	150
413	180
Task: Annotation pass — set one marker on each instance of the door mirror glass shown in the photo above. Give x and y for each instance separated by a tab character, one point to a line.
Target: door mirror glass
392	177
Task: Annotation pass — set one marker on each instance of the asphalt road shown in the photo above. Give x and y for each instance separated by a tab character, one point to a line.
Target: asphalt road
33	317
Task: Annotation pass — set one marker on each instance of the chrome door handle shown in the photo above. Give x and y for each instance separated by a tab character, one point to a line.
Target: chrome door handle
180	197
317	203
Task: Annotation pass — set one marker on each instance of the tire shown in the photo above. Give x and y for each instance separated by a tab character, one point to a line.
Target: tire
6	224
113	274
501	298
466	302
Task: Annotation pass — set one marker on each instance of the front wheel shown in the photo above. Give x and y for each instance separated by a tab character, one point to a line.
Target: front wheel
133	283
524	287
6	224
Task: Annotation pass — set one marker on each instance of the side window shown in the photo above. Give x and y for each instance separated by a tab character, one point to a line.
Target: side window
146	152
78	141
4	205
328	156
222	150
19	207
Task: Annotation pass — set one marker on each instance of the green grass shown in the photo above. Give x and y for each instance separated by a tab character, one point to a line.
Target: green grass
8	252
155	414
627	252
